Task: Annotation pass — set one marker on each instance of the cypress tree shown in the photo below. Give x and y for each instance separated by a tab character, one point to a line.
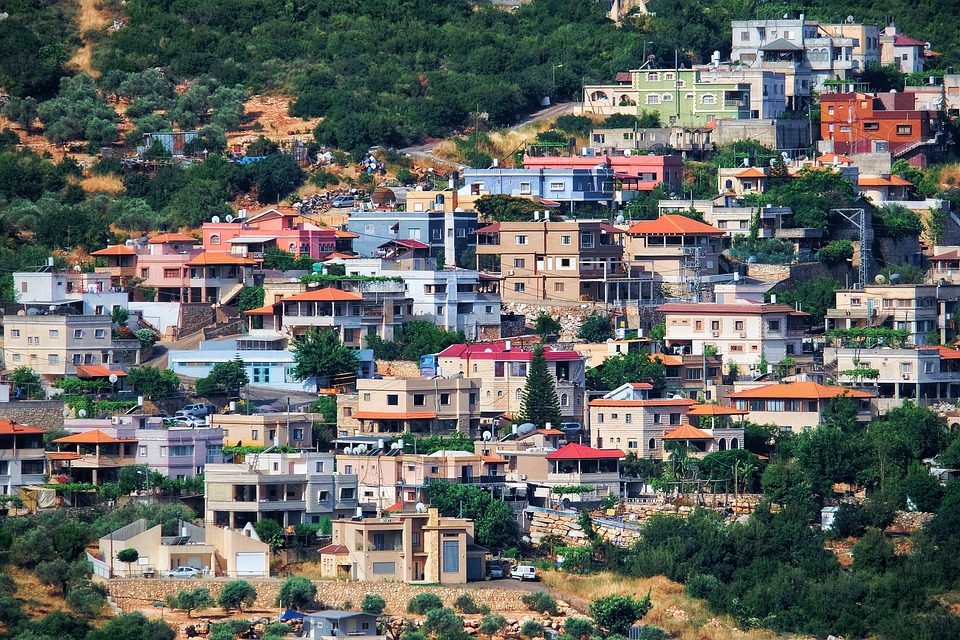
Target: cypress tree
540	404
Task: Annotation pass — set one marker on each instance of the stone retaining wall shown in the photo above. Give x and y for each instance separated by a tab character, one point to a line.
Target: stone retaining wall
570	315
135	592
42	414
568	528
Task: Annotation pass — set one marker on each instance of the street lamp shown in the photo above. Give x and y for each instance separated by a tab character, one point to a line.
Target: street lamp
555	67
645	43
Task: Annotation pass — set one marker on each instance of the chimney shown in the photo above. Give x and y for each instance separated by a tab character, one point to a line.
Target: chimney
507	345
50	261
454	180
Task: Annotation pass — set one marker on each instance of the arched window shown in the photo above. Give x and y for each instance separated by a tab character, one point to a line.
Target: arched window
519	395
215	239
500	393
599	95
293	247
723	444
475	367
709	99
653	76
652	445
734	444
564	400
728	184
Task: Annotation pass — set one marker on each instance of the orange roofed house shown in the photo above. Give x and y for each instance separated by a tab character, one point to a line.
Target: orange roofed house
664	247
797	406
92	456
884	122
276	227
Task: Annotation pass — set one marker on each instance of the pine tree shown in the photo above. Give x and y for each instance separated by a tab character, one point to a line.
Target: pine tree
540	404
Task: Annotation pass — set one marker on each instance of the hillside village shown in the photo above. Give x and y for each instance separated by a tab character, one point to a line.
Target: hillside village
680	355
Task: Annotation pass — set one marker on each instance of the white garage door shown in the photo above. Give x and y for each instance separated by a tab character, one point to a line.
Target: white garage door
251	564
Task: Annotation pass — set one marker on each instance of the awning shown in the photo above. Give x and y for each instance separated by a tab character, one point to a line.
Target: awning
291	615
97	371
252	239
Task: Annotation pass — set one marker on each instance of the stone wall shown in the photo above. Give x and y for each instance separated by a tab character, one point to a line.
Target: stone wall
399	368
230	328
194	317
128	593
554	523
42	414
570	315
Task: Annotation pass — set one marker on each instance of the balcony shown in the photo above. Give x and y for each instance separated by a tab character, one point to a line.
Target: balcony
474	480
583	478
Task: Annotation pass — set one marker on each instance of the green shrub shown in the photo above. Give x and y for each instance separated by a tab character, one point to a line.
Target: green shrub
578	628
837	252
851	520
701	585
492	624
465	604
422	603
278	629
373	604
541	602
531	629
650	632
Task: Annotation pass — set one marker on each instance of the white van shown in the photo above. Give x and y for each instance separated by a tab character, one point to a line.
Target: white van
524	572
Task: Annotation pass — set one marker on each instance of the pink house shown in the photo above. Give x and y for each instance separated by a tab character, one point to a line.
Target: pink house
275	227
643	173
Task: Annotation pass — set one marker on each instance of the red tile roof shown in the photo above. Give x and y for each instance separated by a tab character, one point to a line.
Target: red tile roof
716	410
219	258
497	351
94	436
260	311
346	234
641	385
327	294
115	250
394	415
687	432
334	550
828	158
407	243
10	428
493	459
490	228
63	455
660	402
946	353
900	40
671	225
892	181
164	238
337	254
575	451
799	391
623	76
752	172
949	255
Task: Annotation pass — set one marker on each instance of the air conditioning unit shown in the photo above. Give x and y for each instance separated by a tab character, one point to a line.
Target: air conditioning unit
523	476
510	272
716	334
115	420
743	335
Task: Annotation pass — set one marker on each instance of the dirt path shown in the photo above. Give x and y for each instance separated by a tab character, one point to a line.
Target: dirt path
89	18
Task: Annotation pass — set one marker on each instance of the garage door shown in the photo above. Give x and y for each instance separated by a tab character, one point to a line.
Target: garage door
251	564
474	571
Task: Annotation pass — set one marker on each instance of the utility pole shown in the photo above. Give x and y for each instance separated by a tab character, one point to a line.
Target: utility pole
694	264
858	217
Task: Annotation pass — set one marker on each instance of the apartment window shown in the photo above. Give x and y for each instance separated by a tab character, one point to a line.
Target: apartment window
855	302
586	240
738	325
54	333
519	394
871	126
565	240
774	325
53	358
656	418
667	97
518	369
557	287
521	239
171	273
565	263
30	340
715	325
653	76
628	418
77	358
614	416
393	399
674	419
519	263
698	325
694	374
346	493
99	334
524	188
600	418
182	450
653	99
261	374
498	369
31	467
709	99
564	400
744	36
215	239
519	287
77	334
15	333
444	398
255	434
556	186
88	358
904	129
451	556
419	399
906	368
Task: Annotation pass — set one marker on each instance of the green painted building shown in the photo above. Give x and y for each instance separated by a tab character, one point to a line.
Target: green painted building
682	97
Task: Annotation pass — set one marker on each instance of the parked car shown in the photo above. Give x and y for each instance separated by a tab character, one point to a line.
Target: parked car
182	572
572	430
494	571
343	202
523	572
186	421
197	410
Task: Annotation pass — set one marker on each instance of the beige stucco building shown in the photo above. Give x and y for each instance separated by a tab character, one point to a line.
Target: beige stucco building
267	429
797	406
405	547
217	551
912	307
419	405
668	246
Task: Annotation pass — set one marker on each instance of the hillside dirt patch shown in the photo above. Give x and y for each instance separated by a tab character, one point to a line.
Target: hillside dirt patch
90	17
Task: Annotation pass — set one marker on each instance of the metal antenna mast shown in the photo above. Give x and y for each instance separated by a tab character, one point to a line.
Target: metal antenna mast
858	217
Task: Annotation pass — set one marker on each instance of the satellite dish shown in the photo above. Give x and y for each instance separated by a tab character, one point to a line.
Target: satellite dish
32	312
82	413
396	445
677	396
65	412
526	427
113	378
229	218
215	219
52	307
880	279
620	219
421	507
360	448
487	435
773	162
850	19
348	451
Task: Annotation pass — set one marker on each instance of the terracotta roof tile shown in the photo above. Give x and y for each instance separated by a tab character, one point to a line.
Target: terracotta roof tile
575	451
672	224
327	294
799	391
115	250
164	238
687	432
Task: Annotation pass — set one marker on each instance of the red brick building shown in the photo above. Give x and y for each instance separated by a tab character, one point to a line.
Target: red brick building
865	123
